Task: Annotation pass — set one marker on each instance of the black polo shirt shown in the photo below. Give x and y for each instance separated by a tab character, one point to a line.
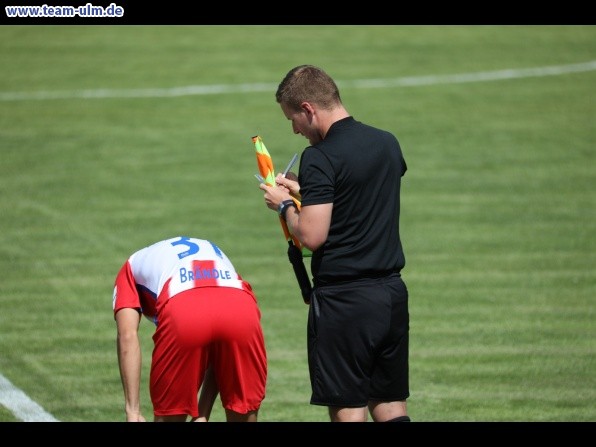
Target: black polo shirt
358	168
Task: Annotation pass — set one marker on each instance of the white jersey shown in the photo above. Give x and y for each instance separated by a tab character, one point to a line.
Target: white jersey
169	267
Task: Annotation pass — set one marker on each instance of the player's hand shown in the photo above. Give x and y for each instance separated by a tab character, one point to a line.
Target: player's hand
135	417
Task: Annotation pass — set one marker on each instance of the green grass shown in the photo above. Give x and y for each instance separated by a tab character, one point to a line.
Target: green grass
498	214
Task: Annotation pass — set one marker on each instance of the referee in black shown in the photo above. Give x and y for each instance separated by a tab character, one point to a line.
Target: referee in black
349	182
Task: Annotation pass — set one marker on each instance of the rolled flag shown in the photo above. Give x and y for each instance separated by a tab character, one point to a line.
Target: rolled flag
266	170
295	248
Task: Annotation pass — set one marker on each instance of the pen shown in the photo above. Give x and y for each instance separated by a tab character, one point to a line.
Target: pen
292	161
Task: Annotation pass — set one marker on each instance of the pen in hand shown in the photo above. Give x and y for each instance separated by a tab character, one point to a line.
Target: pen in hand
292	161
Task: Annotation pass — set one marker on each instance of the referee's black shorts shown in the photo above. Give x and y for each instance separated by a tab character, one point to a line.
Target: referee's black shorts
358	342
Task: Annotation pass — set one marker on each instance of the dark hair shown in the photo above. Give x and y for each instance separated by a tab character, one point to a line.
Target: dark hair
308	83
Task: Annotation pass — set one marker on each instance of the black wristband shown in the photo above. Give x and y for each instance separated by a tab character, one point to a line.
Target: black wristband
283	207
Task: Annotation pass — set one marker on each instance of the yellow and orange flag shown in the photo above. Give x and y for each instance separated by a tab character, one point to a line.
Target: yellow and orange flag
296	251
265	164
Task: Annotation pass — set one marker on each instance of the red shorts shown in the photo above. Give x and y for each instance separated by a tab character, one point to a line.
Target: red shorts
217	325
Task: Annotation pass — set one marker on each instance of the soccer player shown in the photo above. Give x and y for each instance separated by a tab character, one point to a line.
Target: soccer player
208	335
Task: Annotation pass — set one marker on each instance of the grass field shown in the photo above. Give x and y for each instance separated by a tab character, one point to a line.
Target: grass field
99	157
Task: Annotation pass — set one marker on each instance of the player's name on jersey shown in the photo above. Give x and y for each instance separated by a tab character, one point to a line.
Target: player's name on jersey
202	273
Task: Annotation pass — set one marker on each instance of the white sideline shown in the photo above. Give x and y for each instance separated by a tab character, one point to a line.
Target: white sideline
21	405
410	81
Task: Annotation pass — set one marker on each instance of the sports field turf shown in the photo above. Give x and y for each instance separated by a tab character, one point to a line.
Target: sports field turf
113	137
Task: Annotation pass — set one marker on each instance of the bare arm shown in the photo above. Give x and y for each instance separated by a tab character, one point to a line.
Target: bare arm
129	361
311	224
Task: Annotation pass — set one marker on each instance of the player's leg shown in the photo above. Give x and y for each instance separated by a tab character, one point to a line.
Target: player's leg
171	418
179	359
239	358
232	416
